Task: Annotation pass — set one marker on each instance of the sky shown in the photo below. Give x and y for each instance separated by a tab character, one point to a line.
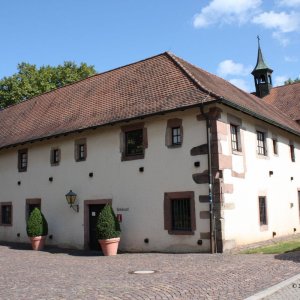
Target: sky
219	36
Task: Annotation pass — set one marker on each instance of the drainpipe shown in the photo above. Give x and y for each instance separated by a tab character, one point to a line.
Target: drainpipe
210	181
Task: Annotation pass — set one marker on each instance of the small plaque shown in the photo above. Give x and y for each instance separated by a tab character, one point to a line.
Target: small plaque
93	214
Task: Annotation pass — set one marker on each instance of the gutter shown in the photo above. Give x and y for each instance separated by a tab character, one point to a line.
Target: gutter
210	181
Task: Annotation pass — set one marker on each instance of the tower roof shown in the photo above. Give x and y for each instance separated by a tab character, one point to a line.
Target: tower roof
260	64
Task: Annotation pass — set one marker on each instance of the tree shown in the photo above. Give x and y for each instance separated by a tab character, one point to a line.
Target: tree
290	81
30	81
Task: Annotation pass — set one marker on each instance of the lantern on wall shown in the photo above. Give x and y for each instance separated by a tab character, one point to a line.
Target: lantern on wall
71	198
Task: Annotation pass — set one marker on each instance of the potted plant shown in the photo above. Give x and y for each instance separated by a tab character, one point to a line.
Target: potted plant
108	231
37	229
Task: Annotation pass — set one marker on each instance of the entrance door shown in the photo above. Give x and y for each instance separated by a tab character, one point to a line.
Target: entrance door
94	210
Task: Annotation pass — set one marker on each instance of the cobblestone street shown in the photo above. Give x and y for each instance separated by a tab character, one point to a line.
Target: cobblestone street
58	274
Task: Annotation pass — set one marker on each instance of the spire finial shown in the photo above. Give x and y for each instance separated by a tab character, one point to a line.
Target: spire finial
258	40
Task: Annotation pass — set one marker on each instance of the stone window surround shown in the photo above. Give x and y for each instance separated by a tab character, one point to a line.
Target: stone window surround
167	211
132	127
20	153
173	123
77	143
86	217
52	162
6	204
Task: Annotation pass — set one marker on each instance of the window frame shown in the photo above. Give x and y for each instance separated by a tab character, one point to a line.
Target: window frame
55	159
21	153
172	124
80	146
263	215
3	204
168	219
125	130
261	143
235	138
292	152
138	143
275	146
176	134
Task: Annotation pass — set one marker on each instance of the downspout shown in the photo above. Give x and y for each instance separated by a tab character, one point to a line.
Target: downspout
210	179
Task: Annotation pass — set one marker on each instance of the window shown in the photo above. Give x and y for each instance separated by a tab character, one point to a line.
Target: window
174	133
176	136
6	213
55	156
262	211
80	150
292	151
22	160
133	141
234	137
275	146
261	143
179	213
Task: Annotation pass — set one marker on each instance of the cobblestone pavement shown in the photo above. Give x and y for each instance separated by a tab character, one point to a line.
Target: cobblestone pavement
290	292
58	274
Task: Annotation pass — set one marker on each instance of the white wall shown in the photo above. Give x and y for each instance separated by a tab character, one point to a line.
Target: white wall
165	170
242	222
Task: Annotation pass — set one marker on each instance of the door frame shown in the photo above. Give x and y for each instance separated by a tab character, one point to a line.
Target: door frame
86	225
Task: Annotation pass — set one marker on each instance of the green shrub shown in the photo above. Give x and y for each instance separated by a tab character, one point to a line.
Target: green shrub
108	226
36	224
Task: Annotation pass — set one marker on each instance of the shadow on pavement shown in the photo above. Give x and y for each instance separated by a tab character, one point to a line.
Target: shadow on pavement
292	256
52	249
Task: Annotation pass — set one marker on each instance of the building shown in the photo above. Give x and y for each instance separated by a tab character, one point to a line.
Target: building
188	161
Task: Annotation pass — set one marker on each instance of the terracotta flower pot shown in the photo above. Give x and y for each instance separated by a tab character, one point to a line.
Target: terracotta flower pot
38	242
109	246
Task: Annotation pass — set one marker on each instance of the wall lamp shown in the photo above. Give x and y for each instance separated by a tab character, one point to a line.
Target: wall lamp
71	198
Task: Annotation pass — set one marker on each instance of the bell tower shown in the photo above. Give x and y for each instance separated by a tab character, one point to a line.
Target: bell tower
262	75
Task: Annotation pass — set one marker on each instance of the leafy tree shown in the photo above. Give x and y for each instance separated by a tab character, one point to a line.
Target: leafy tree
30	81
290	81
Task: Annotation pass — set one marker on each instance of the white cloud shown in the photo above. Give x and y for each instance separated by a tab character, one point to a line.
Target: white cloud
221	11
281	37
240	83
291	58
279	80
282	22
229	67
291	3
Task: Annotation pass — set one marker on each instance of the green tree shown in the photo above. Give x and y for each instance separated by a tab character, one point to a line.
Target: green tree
36	224
108	226
290	81
30	81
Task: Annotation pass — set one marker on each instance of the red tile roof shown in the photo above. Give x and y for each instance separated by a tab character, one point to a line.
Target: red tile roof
286	98
158	84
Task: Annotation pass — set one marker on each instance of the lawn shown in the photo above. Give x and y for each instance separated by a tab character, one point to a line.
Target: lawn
277	248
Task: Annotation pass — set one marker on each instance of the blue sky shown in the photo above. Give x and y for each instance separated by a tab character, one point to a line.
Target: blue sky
217	35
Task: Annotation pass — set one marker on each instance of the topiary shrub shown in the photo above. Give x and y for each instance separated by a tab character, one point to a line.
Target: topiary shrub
108	226
36	224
